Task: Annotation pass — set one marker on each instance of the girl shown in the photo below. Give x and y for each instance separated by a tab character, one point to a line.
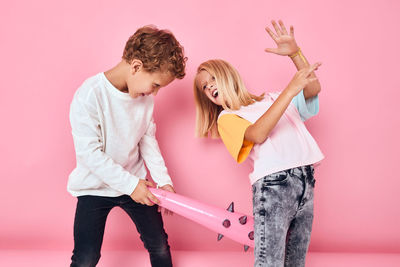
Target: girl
270	131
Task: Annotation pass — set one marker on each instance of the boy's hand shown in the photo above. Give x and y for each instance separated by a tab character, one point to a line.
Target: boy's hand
285	42
142	194
302	78
169	188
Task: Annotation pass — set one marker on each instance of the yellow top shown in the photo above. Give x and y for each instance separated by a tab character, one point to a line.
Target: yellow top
231	128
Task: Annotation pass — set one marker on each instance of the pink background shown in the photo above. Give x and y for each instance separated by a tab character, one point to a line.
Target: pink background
48	48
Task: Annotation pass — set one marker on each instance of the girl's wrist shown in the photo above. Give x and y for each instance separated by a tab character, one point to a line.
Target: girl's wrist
294	54
298	53
290	91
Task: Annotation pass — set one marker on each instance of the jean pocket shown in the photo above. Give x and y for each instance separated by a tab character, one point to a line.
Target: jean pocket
278	178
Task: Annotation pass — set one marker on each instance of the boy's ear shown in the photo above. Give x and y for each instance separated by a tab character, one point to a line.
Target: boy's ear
136	66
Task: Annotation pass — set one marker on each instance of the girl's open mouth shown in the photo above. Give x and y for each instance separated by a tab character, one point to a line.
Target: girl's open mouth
214	93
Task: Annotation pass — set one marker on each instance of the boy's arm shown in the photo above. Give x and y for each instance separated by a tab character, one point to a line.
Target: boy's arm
151	154
89	149
287	46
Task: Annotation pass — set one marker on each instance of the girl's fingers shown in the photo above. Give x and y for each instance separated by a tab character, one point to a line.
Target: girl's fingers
271	50
316	65
278	31
306	72
313	67
291	31
284	31
271	33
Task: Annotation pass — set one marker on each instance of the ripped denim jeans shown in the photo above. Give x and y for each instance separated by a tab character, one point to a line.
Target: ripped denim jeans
283	208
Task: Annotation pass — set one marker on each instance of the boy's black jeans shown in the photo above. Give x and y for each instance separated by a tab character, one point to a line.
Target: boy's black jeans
90	219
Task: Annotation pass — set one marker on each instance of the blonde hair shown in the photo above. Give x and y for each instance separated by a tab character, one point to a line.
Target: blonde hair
231	90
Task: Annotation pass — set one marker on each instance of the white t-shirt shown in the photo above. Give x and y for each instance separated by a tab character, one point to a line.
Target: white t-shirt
114	137
288	145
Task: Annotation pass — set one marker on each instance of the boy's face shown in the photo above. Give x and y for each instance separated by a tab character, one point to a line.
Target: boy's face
144	83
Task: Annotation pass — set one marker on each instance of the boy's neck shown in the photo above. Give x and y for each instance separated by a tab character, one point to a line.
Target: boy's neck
117	76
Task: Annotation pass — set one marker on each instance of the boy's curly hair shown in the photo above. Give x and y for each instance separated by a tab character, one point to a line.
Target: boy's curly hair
157	49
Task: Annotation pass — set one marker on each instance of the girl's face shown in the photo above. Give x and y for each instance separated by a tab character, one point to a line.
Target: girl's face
206	83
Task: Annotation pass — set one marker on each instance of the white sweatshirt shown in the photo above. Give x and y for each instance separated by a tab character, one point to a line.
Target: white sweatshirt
114	137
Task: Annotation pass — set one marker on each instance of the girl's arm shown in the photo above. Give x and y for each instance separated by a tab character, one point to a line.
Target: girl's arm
259	131
313	88
287	46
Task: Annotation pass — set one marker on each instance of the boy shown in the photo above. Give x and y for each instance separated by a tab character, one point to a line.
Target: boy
114	137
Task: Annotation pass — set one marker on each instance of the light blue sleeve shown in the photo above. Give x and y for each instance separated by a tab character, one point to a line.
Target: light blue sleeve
307	108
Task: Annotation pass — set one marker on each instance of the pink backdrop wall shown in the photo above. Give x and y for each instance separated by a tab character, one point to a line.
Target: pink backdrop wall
48	48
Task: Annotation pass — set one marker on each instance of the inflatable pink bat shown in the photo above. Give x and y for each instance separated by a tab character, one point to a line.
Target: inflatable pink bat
238	227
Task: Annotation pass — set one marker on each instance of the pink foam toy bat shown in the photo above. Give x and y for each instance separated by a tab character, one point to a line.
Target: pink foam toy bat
238	227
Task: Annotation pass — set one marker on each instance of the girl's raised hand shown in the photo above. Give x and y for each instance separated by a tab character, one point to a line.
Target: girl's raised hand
285	41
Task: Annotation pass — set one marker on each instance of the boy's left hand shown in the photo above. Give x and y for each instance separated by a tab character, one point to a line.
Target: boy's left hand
169	188
286	43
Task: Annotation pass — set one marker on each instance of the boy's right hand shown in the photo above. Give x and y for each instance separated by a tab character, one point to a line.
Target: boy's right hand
142	194
302	78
